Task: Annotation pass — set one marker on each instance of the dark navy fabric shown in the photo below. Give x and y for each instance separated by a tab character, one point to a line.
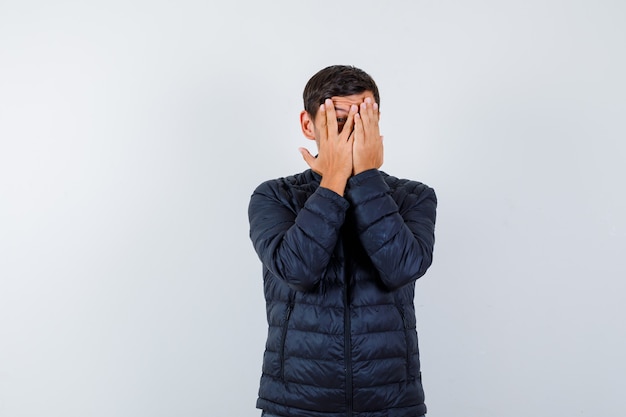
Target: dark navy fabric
339	279
264	414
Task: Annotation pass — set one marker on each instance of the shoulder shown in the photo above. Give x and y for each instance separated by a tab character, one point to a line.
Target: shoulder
404	186
411	195
291	191
302	180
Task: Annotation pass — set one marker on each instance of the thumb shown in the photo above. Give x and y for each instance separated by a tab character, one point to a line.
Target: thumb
308	158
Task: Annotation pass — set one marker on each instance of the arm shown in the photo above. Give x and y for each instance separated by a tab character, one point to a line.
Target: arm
295	247
296	243
334	161
398	241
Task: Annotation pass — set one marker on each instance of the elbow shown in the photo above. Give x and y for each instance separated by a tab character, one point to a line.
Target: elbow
301	278
300	283
405	274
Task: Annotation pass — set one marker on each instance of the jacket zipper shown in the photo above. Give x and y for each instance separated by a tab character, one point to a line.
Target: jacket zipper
406	341
348	346
284	338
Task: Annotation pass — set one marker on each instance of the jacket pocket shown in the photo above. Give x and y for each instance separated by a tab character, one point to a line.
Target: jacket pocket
407	342
283	340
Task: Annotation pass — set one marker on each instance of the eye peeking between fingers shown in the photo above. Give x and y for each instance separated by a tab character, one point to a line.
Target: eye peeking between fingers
341	121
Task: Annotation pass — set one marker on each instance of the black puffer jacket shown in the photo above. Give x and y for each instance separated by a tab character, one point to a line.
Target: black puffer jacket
339	277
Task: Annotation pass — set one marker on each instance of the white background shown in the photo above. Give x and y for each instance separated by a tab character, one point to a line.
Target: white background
132	134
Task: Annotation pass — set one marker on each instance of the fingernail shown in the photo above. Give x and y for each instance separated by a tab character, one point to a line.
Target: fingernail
375	106
368	100
354	108
328	102
321	107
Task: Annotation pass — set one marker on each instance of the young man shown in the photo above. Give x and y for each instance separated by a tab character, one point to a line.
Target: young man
342	245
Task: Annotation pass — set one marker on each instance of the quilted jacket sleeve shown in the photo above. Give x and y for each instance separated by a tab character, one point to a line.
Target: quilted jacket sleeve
295	245
399	243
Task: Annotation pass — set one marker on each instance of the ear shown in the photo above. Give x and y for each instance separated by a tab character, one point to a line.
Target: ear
307	124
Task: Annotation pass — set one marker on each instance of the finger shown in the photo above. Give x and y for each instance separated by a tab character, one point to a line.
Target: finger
321	123
365	114
331	118
367	109
308	158
372	109
350	139
371	118
358	127
348	127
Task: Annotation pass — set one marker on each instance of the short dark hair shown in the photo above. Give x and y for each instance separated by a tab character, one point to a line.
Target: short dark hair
336	81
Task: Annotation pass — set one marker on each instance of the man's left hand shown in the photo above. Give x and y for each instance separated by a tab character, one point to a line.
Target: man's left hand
367	152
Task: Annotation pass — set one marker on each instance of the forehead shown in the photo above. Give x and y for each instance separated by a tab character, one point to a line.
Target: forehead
344	102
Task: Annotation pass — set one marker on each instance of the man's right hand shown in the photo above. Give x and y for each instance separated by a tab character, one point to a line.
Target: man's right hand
334	159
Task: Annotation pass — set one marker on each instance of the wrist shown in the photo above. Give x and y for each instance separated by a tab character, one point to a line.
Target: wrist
334	183
360	169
